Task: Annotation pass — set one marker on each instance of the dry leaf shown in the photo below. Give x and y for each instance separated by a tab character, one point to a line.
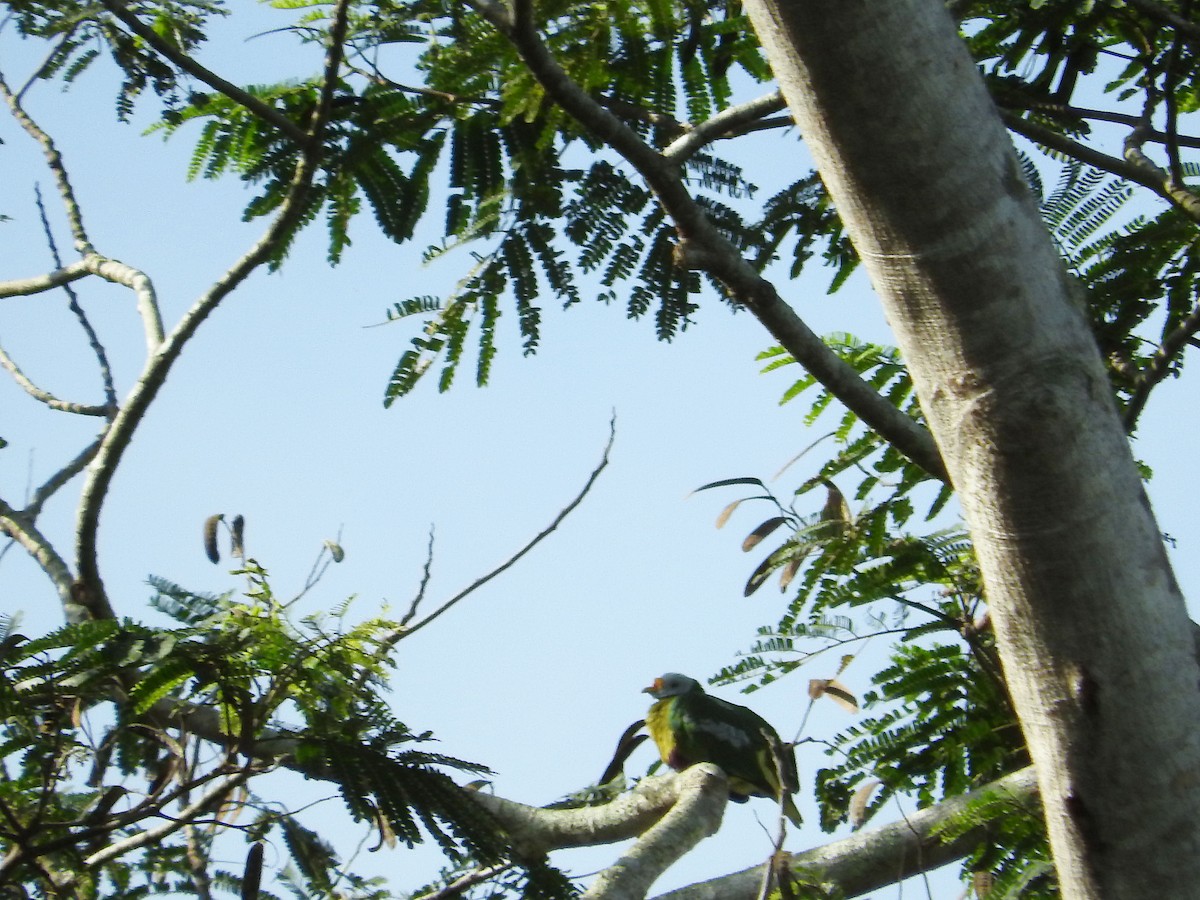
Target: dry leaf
836	509
835	690
859	802
841	695
726	513
788	572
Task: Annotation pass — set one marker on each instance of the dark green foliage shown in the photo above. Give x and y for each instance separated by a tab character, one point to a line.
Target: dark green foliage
78	31
67	794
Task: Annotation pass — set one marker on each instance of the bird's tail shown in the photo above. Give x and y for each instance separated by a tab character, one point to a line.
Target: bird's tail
789	810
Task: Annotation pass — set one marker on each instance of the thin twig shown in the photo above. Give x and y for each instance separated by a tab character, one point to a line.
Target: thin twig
541	536
1160	365
44	396
459	885
60	478
724	123
110	391
421	588
1100	115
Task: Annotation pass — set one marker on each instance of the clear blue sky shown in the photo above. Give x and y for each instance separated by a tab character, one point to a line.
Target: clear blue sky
275	412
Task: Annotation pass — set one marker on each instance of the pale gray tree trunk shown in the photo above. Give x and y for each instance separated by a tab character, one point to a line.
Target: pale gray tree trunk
1090	622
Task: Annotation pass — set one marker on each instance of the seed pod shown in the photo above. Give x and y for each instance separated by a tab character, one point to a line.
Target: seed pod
237	539
252	877
210	537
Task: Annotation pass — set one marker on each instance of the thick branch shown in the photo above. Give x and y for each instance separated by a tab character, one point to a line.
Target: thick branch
703	792
703	245
871	860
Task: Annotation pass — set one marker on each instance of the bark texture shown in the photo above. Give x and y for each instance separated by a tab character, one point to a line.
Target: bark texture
1091	624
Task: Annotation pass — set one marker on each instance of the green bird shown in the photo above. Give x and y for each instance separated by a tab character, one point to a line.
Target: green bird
690	726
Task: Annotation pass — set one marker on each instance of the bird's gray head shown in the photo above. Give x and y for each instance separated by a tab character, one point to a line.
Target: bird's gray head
671	685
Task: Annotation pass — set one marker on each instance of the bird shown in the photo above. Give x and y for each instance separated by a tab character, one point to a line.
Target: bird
690	726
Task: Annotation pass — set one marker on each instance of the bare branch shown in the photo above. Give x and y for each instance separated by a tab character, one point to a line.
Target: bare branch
121	432
110	270
871	860
106	378
426	572
702	245
722	124
211	799
459	885
137	281
512	560
20	527
44	396
696	814
1100	115
48	488
181	60
23	287
55	164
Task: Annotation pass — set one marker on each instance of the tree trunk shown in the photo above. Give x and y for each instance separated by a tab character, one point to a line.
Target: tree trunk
1089	619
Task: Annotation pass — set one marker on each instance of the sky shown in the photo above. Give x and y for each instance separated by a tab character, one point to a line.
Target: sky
275	412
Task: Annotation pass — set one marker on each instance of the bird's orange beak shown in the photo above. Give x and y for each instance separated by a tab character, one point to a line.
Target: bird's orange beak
657	686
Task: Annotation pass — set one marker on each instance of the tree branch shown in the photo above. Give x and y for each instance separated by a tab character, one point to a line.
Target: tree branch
703	792
722	124
106	378
182	61
23	287
154	374
44	396
20	527
1136	167
403	632
1160	13
871	860
703	246
1160	365
55	164
52	484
